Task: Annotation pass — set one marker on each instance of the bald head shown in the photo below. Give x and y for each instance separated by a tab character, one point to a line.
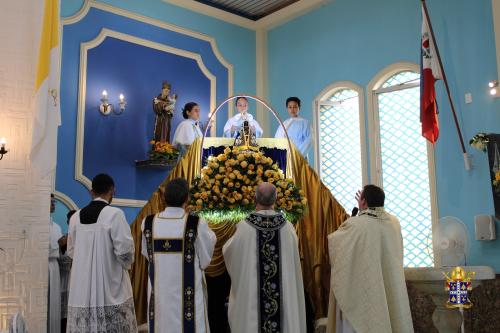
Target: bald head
265	195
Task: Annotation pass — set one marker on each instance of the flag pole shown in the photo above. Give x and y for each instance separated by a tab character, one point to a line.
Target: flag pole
459	131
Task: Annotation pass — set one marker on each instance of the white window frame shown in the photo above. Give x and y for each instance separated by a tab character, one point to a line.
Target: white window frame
374	88
321	99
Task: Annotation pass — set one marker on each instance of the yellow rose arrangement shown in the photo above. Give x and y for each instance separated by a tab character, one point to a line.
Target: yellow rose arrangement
162	151
225	190
496	181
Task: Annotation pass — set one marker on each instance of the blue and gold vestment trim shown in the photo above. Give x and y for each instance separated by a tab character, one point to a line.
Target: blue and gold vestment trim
269	270
186	246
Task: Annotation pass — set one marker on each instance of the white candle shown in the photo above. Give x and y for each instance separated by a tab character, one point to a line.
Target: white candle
122	97
3	141
104	94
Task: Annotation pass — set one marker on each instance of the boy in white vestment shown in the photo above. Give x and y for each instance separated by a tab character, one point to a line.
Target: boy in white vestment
102	248
233	124
178	246
262	258
368	284
298	128
54	306
189	129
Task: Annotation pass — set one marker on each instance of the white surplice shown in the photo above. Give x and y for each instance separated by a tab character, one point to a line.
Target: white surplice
168	268
185	134
238	121
100	292
54	318
367	277
299	131
240	256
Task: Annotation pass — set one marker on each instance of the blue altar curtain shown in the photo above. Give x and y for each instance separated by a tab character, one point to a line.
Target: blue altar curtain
277	155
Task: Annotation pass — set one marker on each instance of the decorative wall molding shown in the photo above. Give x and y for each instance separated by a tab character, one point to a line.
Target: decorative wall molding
330	89
67	201
375	167
277	18
88	4
128	203
80	135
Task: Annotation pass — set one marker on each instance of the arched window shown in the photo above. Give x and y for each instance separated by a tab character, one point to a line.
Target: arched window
339	157
400	161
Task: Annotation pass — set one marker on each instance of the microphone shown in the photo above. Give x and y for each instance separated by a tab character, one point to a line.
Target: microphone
355	211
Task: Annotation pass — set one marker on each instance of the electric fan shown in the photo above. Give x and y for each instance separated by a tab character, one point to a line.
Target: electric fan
453	243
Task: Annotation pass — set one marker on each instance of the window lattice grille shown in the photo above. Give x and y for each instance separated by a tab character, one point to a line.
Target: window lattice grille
401	78
340	149
405	171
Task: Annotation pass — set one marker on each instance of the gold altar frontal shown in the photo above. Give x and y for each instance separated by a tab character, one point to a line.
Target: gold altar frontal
324	216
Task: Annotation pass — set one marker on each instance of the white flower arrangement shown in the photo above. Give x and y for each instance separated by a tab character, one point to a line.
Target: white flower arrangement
479	141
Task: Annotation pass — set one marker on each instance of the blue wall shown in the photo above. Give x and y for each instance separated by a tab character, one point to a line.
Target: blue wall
112	143
355	39
236	45
346	40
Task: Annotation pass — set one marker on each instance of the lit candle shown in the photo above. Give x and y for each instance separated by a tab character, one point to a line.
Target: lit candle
3	141
104	94
122	97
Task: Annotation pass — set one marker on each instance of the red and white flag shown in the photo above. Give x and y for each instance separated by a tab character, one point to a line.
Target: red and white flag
430	72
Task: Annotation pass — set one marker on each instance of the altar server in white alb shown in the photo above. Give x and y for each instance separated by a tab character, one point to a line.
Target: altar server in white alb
189	129
262	258
298	128
368	289
233	124
178	246
54	306
102	248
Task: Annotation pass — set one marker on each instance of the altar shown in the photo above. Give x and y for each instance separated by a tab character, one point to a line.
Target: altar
323	216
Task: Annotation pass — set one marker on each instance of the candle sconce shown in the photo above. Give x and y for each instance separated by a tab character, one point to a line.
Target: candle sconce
106	108
3	151
122	104
494	89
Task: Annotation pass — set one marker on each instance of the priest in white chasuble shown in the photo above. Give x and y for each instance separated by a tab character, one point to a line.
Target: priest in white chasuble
367	278
262	258
178	246
102	248
233	124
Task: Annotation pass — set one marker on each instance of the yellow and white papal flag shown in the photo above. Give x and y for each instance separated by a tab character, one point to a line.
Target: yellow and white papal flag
43	154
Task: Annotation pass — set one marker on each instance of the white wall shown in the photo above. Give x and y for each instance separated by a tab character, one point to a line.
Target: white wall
24	200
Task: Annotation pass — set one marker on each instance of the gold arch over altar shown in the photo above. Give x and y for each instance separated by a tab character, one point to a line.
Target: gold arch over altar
324	216
229	99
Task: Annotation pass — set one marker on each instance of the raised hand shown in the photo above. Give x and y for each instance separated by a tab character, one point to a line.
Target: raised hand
362	205
358	198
